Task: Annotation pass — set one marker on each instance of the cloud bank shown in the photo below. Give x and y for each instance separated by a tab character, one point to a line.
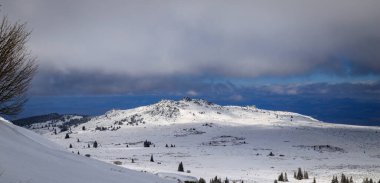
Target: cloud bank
131	46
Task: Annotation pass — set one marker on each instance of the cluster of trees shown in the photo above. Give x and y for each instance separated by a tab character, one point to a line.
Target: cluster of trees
201	180
366	180
219	180
171	145
101	128
64	128
283	177
213	180
131	120
147	143
343	179
299	175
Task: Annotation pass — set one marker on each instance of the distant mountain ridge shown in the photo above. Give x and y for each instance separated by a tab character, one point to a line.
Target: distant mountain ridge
43	118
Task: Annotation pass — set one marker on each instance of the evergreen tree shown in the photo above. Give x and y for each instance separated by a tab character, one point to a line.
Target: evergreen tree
281	177
78	140
299	174
88	145
83	128
95	145
216	180
314	181
133	161
275	181
201	180
226	181
335	179
67	136
305	175
180	167
286	177
342	178
151	158
70	146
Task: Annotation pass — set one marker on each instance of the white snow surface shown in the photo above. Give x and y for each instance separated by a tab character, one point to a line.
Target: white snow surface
26	157
227	141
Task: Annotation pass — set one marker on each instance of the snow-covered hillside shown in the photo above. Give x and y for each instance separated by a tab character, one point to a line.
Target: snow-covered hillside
227	141
42	123
28	157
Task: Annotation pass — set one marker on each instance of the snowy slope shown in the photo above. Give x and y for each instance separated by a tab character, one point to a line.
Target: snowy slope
227	141
28	157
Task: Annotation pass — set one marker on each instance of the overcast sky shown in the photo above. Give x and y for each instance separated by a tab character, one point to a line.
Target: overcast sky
188	47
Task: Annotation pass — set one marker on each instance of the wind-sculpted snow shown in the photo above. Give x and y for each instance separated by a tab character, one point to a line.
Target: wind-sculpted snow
241	143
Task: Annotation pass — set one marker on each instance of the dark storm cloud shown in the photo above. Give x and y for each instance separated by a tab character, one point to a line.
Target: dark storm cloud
244	38
136	46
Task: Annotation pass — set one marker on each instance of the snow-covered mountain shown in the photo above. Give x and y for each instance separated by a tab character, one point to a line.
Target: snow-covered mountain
195	110
242	143
28	157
